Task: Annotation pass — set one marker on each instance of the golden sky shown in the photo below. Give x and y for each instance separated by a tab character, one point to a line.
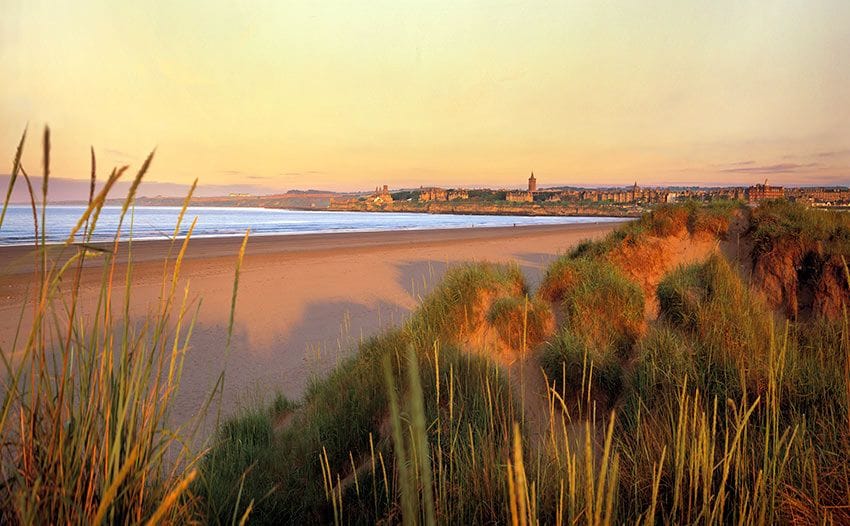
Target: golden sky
350	95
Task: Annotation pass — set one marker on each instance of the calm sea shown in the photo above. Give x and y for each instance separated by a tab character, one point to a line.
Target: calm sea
157	222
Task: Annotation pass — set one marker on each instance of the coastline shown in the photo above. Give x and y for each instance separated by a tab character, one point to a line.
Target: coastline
327	204
303	300
17	259
536	209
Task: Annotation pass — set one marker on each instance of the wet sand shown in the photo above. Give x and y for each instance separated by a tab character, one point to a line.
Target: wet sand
303	301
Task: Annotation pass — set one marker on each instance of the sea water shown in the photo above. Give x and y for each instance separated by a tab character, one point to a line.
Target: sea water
158	222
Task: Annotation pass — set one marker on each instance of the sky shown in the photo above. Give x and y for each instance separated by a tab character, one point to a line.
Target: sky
272	95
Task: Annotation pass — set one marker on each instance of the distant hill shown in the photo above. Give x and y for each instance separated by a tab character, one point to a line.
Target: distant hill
297	199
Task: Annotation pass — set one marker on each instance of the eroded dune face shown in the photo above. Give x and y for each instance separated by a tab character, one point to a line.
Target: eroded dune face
775	274
832	290
800	279
799	259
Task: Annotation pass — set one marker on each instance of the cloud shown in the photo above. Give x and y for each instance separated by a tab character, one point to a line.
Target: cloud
735	164
835	153
827	154
771	168
241	174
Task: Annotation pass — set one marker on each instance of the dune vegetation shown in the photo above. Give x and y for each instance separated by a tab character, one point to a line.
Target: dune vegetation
630	387
715	409
86	435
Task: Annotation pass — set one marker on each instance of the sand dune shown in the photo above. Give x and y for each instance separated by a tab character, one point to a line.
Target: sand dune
303	300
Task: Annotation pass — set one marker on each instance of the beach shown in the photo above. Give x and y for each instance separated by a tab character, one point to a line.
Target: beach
304	300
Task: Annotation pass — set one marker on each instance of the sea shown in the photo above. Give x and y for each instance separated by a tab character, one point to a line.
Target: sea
158	222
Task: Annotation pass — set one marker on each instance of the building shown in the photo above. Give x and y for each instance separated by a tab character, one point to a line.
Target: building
457	195
628	195
763	192
520	197
381	196
523	197
589	195
823	197
433	194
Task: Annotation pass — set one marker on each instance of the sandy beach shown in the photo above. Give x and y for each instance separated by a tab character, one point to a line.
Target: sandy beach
303	301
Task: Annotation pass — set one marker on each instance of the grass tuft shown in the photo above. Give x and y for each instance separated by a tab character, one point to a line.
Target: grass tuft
522	323
85	420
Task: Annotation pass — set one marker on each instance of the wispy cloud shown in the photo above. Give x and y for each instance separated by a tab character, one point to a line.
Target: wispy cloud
834	153
770	168
826	154
243	175
736	163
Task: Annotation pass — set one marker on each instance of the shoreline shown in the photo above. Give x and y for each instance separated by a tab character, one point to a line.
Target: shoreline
494	209
304	302
462	208
12	256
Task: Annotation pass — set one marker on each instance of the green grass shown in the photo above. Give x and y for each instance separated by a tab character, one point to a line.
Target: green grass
716	415
85	415
781	391
344	419
712	330
458	307
344	428
522	323
602	315
576	368
782	221
719	412
799	256
598	303
695	218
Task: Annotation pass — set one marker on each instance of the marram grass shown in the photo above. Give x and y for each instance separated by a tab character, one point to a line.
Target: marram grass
716	413
713	414
87	437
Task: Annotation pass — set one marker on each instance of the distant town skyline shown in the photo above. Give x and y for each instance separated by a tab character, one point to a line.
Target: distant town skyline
270	96
66	189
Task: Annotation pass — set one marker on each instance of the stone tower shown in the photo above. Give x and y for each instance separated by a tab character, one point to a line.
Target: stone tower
532	183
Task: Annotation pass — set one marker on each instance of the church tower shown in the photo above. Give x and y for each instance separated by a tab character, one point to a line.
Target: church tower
532	183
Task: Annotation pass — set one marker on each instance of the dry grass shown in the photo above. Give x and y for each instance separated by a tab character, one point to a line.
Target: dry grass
798	256
87	437
716	416
521	323
457	310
